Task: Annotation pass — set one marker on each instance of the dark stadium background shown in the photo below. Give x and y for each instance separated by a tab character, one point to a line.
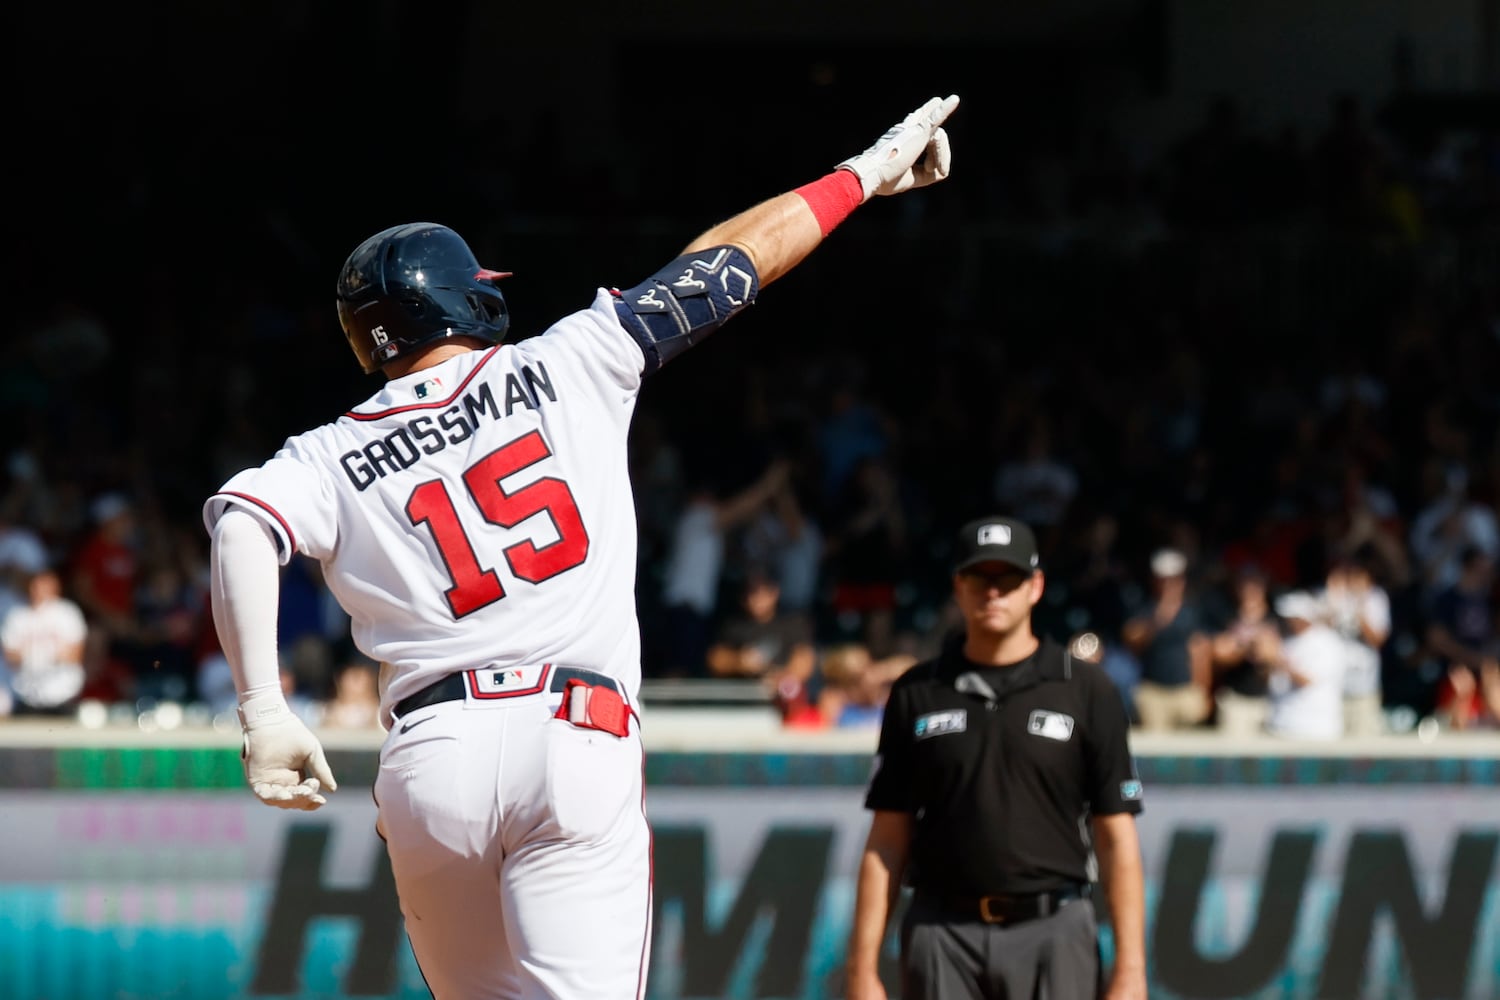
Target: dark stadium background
186	180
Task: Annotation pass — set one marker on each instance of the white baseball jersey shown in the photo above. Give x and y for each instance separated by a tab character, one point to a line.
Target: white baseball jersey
475	513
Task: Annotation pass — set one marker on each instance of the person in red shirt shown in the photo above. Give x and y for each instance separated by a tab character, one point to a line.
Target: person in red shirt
103	580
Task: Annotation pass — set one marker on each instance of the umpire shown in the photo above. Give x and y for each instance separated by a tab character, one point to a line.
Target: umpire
1002	788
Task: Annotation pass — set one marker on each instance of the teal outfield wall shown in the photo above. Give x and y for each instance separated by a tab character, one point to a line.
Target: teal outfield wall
150	872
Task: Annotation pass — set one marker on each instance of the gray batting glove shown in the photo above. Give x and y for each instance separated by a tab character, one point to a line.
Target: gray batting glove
890	166
284	762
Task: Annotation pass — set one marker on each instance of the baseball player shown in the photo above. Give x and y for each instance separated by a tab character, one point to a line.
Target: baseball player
474	518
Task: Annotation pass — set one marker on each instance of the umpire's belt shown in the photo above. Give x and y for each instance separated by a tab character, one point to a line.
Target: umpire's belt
1008	908
497	684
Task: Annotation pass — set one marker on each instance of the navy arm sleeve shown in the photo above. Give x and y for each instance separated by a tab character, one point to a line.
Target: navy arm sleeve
687	300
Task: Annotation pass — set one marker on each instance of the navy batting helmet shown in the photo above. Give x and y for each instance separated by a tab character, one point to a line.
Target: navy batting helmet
413	283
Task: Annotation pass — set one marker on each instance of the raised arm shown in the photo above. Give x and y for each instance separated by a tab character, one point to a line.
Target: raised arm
778	233
721	271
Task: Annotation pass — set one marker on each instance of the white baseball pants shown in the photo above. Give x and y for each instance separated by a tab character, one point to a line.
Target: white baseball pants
520	849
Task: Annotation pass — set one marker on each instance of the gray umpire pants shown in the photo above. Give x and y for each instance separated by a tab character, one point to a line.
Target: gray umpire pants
1050	958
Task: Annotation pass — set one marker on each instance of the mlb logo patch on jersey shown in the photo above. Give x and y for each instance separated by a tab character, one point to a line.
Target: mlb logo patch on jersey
938	723
431	387
1051	725
500	681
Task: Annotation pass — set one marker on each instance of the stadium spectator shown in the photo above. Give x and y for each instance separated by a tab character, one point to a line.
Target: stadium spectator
1170	638
43	641
865	554
1370	523
856	685
104	577
693	573
784	536
1245	653
169	616
1453	521
1462	635
763	640
1359	609
1307	681
303	703
356	701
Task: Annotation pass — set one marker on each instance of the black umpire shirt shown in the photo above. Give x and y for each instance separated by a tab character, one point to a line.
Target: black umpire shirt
1001	767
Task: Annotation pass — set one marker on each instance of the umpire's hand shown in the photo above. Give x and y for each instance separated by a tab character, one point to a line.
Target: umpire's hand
284	762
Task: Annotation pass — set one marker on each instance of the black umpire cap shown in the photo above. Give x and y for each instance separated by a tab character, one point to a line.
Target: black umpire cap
996	539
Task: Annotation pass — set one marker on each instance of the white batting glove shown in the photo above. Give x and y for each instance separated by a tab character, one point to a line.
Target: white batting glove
890	166
278	751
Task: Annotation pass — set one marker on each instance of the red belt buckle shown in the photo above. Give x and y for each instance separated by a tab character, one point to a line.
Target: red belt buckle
594	706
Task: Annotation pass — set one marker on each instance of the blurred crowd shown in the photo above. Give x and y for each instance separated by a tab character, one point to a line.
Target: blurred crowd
1246	388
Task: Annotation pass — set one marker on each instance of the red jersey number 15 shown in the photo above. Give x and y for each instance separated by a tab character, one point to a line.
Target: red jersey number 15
473	586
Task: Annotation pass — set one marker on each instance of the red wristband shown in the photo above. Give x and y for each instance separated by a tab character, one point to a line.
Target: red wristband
832	198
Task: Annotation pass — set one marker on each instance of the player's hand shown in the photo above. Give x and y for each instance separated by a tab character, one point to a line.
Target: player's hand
890	166
284	762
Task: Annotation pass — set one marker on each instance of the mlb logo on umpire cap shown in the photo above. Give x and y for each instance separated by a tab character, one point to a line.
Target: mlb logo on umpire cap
996	539
994	534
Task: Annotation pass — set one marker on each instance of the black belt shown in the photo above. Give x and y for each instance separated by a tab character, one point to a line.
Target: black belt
1003	908
454	686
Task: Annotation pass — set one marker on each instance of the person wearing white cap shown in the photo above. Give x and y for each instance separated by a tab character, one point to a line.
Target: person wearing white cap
1307	680
1169	637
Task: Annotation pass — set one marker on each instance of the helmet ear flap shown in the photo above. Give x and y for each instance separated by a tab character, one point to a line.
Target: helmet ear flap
487	310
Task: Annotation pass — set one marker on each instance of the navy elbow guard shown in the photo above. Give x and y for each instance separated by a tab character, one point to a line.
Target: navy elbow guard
685	301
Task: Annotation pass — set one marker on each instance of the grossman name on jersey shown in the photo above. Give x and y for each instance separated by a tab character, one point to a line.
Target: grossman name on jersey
430	433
